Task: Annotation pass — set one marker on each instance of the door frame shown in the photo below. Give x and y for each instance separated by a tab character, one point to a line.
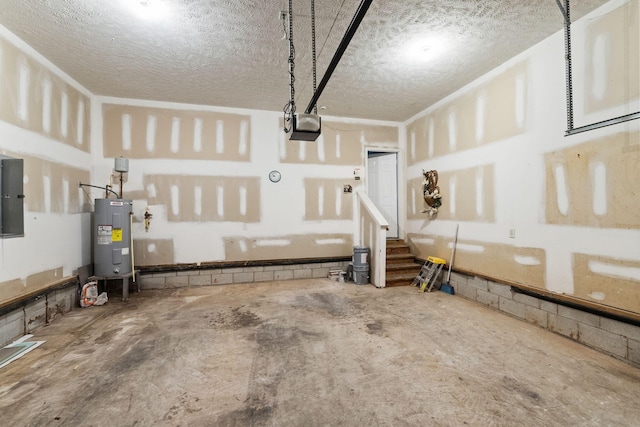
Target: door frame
400	191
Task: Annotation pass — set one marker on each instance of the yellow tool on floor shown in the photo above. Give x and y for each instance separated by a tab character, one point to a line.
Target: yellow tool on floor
429	273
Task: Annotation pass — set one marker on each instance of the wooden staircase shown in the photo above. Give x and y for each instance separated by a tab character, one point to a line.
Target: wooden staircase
401	265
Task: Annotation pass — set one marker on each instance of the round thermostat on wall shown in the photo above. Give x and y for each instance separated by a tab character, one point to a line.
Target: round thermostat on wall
274	176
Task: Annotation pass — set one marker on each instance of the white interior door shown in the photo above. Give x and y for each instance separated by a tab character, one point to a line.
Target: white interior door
382	186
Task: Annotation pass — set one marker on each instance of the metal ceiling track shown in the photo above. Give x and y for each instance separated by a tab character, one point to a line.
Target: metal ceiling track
346	39
569	79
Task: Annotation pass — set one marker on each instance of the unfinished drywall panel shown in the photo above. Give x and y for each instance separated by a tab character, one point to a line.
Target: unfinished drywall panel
205	198
467	195
420	139
45	120
11	289
34	98
141	132
612	60
445	141
452	127
14	289
53	187
566	209
463	122
416	206
506	103
325	199
153	251
51	241
508	262
370	134
284	247
608	281
595	183
43	277
216	207
340	143
489	112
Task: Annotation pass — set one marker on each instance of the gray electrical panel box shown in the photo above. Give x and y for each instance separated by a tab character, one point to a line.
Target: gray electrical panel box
11	197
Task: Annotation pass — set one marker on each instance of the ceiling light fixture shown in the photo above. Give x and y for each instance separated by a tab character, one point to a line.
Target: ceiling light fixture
149	10
422	49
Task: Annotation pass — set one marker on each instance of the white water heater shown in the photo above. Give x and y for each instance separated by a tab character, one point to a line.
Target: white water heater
112	237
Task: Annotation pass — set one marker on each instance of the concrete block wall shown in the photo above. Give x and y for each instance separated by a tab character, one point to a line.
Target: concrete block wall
619	339
36	312
223	276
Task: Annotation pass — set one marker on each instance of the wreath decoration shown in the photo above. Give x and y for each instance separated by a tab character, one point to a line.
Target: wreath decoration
431	192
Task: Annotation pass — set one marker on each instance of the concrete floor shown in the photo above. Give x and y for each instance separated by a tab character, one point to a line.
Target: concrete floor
306	353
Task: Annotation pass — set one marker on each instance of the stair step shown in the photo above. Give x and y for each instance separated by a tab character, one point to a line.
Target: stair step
402	268
400	258
404	279
398	248
401	265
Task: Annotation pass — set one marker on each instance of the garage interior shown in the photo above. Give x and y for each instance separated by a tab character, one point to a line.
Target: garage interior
481	133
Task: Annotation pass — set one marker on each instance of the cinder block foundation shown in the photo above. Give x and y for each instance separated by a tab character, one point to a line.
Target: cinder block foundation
224	276
614	337
22	318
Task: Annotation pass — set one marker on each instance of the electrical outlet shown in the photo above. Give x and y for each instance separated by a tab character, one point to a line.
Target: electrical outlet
512	233
282	15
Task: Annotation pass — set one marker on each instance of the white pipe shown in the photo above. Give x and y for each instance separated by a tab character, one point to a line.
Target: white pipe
133	268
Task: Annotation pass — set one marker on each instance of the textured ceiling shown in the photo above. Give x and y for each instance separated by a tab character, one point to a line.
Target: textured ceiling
232	52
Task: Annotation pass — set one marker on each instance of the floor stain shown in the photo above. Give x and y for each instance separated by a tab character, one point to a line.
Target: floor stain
235	319
186	405
253	414
514	385
305	358
141	356
107	336
170	315
335	305
375	328
279	351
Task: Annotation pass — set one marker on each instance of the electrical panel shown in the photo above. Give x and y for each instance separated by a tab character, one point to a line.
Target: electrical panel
11	197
